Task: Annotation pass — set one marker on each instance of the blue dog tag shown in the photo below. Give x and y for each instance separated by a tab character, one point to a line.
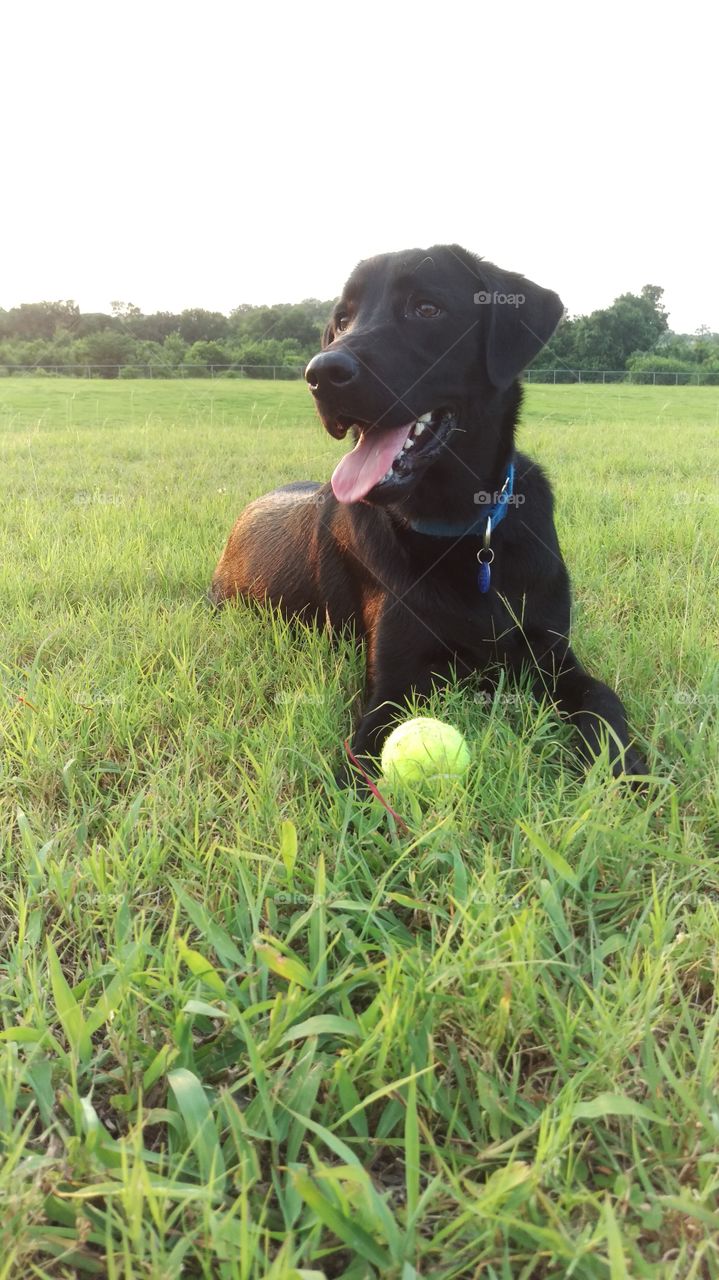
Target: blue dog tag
484	577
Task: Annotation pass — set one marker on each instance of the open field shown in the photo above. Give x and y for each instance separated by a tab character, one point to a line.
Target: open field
249	1031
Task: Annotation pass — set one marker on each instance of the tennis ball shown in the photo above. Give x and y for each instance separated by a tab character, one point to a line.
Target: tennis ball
424	750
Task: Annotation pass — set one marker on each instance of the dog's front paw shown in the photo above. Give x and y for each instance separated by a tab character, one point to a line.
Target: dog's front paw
632	767
344	776
349	777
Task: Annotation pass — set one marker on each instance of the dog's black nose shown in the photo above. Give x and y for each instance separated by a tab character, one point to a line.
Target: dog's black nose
331	369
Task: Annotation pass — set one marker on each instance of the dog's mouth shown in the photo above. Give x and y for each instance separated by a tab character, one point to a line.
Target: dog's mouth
385	457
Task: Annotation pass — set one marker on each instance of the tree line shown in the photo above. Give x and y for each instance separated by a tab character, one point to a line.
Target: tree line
631	335
128	343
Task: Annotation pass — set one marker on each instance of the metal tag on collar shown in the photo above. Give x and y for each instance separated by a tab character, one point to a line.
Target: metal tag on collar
485	556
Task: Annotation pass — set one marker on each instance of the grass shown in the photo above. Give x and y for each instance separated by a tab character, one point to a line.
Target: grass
249	1030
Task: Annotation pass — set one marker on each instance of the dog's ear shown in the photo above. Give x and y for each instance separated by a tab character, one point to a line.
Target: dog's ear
522	317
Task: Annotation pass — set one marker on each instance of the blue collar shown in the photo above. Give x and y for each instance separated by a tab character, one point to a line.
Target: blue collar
476	528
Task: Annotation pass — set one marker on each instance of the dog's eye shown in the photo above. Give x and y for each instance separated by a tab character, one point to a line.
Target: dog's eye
341	322
426	309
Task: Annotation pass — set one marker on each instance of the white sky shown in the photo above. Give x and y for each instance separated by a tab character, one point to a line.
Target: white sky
177	155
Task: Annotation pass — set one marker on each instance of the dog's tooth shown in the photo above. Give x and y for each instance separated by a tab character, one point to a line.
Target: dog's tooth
420	426
426	419
408	443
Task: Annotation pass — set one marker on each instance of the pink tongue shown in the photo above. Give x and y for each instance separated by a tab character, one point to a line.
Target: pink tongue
360	470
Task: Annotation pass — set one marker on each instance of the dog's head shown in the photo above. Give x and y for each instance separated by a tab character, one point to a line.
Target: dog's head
422	347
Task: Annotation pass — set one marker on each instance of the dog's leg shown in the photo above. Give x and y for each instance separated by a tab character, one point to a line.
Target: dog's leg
403	658
591	706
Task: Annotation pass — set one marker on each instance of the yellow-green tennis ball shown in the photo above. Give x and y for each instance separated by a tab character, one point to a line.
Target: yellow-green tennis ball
424	750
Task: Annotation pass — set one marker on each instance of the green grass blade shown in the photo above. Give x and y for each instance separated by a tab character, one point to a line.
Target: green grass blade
68	1009
201	1129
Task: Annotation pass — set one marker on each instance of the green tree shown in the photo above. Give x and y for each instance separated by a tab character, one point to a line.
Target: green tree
634	322
202	356
153	328
41	319
560	352
198	325
173	351
93	321
124	310
301	321
107	349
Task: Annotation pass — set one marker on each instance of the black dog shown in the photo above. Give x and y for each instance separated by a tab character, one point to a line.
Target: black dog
435	538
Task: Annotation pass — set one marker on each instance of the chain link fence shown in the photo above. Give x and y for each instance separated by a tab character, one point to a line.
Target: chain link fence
643	377
273	372
291	373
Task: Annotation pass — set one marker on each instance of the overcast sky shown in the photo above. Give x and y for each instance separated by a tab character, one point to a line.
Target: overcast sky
173	155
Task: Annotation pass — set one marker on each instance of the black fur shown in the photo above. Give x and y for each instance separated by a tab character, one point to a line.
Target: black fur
415	332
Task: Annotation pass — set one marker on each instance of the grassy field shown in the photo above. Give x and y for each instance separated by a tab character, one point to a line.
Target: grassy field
251	1032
